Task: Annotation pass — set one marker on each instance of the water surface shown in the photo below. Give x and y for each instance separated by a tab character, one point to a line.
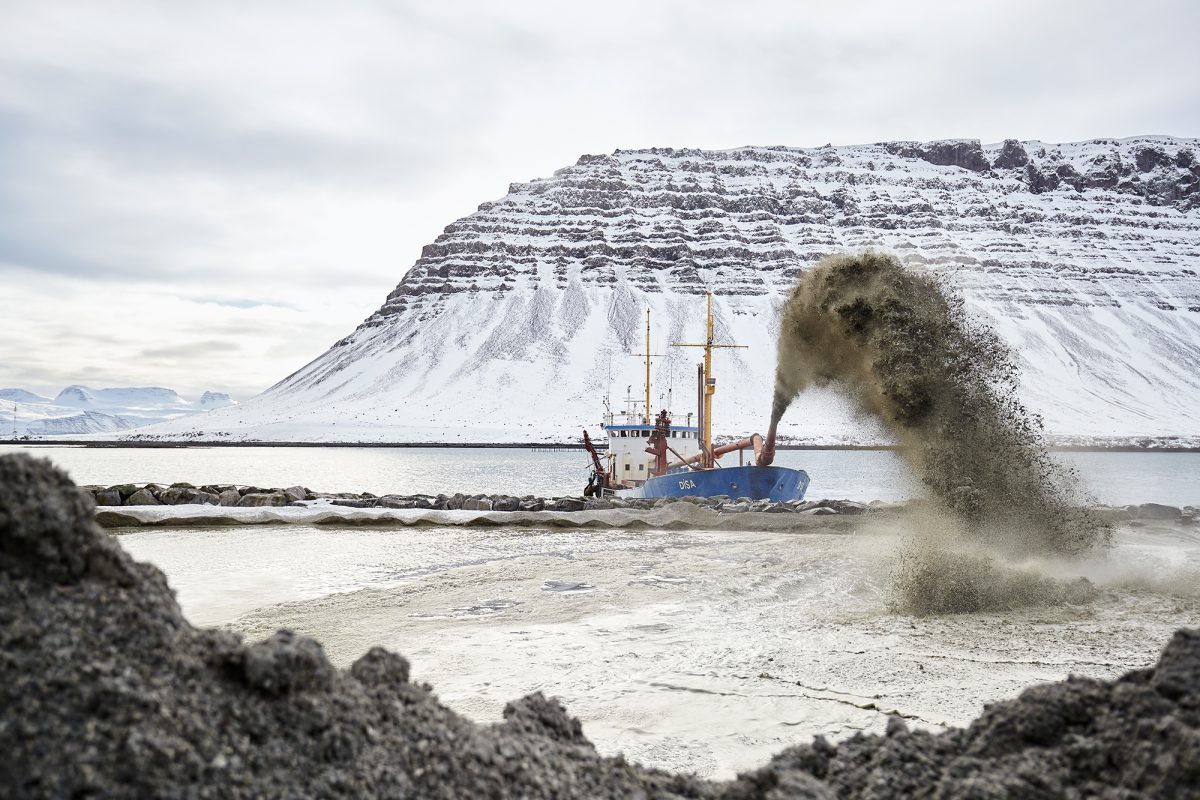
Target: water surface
1113	478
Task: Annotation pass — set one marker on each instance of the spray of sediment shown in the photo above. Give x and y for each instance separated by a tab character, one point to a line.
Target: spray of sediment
903	346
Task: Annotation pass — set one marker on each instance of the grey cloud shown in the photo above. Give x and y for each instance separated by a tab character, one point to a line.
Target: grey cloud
202	348
261	156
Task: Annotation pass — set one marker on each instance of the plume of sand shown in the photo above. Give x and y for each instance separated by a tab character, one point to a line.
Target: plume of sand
902	345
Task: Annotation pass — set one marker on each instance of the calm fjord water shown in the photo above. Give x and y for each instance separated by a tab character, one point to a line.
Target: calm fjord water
1113	478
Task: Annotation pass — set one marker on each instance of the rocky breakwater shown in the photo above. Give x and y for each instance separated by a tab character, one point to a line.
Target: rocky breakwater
106	690
175	494
229	495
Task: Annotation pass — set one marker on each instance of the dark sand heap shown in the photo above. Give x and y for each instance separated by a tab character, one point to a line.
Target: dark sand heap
105	690
907	352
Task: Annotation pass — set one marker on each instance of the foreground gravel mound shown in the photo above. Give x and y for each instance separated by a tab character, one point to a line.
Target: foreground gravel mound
105	690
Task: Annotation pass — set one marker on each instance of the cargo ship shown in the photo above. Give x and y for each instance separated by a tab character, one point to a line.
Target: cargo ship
657	458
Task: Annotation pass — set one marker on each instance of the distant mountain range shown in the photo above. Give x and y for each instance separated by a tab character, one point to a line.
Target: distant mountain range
81	410
521	319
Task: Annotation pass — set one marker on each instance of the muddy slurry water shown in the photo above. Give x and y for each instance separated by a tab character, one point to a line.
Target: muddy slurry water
904	347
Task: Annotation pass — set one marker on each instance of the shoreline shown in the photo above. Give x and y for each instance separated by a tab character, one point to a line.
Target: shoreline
544	446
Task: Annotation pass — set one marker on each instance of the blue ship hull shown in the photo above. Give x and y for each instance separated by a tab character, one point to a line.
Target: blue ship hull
759	483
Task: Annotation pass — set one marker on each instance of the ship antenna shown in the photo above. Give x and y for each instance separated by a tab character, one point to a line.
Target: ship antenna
648	356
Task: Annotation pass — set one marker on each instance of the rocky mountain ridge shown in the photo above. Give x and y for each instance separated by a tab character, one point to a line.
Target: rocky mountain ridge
522	318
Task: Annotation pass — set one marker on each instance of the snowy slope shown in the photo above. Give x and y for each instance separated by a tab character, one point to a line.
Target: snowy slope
22	396
519	319
78	410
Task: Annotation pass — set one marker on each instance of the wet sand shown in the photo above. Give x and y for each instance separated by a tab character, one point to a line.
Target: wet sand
694	650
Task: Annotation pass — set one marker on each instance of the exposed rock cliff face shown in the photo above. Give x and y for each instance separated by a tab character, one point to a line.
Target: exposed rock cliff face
107	691
519	318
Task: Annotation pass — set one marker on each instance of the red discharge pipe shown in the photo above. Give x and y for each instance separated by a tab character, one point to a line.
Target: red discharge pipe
755	441
766	455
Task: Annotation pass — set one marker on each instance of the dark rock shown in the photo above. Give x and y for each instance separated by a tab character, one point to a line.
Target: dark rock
568	504
1147	158
351	502
178	495
965	153
1012	155
296	493
455	501
182	495
850	507
142	497
229	497
260	499
109	497
477	504
395	501
506	504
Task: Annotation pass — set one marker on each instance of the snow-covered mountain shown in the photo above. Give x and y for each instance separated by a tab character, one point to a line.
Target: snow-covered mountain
210	400
519	320
80	410
22	396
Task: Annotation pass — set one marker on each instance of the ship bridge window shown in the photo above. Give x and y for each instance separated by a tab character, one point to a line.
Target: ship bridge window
622	434
627	468
645	434
641	467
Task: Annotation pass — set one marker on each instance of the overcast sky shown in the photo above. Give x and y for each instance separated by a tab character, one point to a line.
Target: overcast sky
207	195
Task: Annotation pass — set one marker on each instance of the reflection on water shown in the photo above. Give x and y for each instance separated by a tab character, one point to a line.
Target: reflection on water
1113	478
